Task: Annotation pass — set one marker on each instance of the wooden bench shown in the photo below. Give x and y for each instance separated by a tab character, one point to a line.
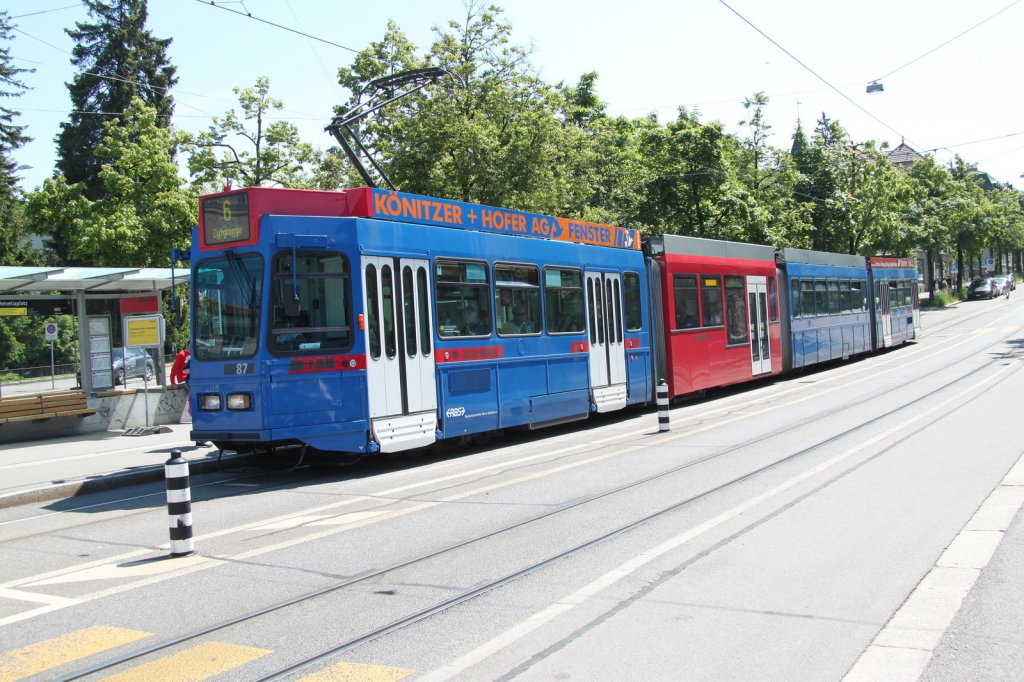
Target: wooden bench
42	406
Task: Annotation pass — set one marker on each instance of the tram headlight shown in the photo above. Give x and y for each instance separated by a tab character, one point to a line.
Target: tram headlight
209	402
239	401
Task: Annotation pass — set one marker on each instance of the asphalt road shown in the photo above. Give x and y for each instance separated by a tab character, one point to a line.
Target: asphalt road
824	527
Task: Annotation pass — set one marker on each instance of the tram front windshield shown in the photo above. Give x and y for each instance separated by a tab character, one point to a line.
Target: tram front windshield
227	306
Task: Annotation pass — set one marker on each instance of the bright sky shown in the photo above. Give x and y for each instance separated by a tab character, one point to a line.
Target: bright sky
651	55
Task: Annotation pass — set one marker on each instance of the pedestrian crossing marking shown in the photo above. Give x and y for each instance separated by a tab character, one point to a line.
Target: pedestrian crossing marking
131	569
196	663
358	672
52	653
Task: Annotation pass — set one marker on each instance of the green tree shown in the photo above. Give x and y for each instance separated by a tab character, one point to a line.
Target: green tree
771	214
252	150
117	59
145	210
490	134
57	209
12	136
694	190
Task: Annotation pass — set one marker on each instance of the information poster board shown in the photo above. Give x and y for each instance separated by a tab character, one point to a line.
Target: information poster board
99	352
143	331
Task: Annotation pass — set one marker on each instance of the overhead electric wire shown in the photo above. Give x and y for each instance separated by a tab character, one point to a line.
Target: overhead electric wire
965	144
812	71
46	11
958	35
271	23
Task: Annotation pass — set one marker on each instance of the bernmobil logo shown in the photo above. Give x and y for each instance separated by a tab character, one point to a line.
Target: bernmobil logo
455	412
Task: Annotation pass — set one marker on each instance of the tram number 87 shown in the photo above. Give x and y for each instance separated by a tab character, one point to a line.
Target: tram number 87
238	368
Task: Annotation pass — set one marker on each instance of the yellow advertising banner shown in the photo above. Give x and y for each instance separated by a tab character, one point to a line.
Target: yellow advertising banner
13	312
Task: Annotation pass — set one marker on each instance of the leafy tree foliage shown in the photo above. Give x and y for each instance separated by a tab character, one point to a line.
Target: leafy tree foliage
490	134
695	191
251	150
12	136
145	210
118	59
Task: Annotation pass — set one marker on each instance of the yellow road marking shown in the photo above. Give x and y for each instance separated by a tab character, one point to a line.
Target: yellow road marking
198	663
358	672
36	658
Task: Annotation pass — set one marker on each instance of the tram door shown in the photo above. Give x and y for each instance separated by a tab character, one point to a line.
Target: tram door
884	312
757	307
401	383
607	350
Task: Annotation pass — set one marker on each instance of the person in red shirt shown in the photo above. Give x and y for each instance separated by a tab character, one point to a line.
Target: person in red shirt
178	375
180	371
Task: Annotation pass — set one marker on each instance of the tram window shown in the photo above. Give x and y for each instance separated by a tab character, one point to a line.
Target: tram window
844	297
894	293
833	297
634	312
711	301
462	297
773	300
857	301
228	290
735	310
618	312
324	321
372	319
590	310
599	300
794	287
424	310
563	300
409	307
685	293
906	292
609	312
517	299
387	294
820	297
806	298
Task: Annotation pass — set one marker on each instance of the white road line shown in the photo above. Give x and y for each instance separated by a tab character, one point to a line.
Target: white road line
509	637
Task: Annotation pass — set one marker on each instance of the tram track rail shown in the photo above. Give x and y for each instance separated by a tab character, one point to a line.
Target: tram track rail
411	619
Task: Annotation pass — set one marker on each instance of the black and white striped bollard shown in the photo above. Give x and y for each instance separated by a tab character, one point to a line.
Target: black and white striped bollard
179	504
662	406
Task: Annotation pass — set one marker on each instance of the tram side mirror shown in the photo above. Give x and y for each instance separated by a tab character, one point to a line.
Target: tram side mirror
292	306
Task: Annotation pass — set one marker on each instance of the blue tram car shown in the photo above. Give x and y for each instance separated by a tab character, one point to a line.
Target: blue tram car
896	309
368	320
826	314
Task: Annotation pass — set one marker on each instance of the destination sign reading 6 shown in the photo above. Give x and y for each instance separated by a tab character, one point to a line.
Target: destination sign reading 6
226	219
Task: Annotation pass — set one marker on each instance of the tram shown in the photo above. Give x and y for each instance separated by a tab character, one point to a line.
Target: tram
718	309
370	320
375	321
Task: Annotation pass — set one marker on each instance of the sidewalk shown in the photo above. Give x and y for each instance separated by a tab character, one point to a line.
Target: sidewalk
42	470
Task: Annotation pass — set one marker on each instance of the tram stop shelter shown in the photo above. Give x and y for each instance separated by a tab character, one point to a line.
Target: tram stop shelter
101	299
